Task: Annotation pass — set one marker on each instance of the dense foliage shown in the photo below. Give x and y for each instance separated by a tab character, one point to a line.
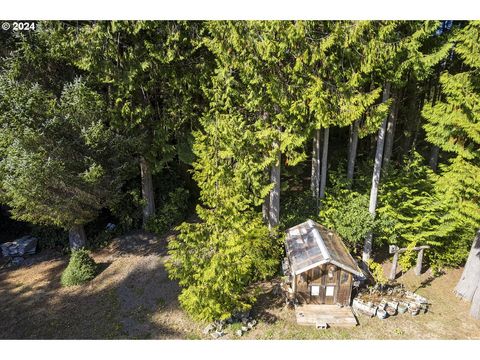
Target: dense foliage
134	122
81	268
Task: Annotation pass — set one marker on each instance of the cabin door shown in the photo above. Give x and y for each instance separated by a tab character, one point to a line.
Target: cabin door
315	286
331	284
330	294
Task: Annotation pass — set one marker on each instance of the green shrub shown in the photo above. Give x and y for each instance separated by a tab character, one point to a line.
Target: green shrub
80	269
50	237
171	213
297	207
218	260
347	213
376	270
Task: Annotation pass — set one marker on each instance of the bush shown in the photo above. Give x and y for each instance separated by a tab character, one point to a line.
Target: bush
347	213
171	213
297	207
376	270
217	260
80	269
50	237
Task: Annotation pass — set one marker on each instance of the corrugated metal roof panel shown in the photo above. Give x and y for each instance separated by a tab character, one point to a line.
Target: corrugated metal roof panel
310	244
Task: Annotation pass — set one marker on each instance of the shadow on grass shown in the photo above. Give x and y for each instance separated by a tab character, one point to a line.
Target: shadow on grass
114	305
428	281
269	299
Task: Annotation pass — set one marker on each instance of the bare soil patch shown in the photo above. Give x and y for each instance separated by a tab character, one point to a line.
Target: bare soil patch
132	297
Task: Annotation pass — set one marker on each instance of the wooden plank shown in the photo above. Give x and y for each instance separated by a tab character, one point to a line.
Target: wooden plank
330	314
393	270
418	267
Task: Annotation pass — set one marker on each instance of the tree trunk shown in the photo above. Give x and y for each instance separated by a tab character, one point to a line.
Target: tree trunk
352	153
323	180
77	237
475	307
367	248
434	157
266	204
315	181
412	97
433	162
274	213
147	190
390	131
468	285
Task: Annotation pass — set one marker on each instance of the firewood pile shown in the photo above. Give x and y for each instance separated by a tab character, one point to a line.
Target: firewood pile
389	302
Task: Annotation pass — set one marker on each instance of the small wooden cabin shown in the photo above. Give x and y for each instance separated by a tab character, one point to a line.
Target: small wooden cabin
320	267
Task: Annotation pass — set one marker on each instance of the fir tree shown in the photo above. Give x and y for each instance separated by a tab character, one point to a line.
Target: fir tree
453	125
60	164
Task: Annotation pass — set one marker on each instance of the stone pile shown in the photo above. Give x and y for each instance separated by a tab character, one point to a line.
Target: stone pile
16	250
26	245
217	328
390	302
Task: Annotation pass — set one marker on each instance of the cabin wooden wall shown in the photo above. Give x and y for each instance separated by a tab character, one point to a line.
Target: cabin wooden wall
341	280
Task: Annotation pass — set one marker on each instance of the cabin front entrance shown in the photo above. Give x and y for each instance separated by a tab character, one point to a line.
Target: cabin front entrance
326	284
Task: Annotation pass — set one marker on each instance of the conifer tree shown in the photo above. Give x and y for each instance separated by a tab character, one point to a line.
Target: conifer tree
152	72
60	163
394	49
336	92
253	124
453	125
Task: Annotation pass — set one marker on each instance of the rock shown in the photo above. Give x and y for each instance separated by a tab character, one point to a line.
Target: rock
239	332
217	334
17	261
209	328
26	245
251	324
219	325
245	328
110	227
244	320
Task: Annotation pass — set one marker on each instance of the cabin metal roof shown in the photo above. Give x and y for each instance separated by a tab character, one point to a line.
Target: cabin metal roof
310	244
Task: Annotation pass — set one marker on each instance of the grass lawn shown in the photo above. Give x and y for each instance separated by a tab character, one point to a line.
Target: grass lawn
133	298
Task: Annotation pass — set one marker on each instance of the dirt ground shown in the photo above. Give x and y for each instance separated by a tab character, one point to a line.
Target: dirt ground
132	298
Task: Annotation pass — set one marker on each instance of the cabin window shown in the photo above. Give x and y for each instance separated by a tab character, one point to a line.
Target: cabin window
330	273
315	290
344	278
329	290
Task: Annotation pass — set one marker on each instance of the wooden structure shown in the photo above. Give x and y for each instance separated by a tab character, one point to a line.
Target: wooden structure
321	269
393	249
322	316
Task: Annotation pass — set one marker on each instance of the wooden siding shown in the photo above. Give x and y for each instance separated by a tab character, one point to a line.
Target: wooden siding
341	280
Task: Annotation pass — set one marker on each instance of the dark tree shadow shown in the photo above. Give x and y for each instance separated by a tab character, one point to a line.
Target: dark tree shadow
269	299
115	307
428	281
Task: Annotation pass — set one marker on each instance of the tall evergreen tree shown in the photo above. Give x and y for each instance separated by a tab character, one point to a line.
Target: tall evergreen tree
253	124
394	50
453	125
152	72
60	163
336	92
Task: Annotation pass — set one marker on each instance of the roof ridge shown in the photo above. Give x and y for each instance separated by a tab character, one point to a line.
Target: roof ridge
319	240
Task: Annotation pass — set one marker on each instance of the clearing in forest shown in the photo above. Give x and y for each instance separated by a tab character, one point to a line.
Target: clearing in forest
133	298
